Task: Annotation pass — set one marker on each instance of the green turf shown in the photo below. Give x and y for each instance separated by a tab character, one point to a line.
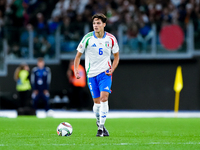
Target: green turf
137	133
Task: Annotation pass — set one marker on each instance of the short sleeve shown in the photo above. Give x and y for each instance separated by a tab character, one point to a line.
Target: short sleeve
81	46
84	42
115	47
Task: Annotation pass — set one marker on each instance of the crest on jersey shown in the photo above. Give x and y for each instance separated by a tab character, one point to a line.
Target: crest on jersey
107	43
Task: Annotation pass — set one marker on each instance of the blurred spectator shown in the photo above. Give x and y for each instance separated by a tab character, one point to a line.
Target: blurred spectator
88	12
158	14
41	26
1	24
36	47
191	15
78	29
23	85
60	8
71	12
14	51
72	32
36	6
151	12
145	34
42	47
80	5
166	17
45	48
133	36
2	6
25	13
181	14
53	24
66	28
197	14
17	13
77	13
40	80
113	19
77	86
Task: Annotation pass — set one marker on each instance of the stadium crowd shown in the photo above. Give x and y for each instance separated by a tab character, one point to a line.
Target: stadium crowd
46	16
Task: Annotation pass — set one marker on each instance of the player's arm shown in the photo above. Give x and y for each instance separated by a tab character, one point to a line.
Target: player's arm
33	81
33	78
46	91
115	64
76	64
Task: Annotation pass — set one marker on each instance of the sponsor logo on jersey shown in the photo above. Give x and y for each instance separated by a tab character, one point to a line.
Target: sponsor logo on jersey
107	43
106	88
94	45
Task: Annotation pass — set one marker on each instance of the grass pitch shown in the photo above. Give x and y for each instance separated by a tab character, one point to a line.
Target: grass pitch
137	133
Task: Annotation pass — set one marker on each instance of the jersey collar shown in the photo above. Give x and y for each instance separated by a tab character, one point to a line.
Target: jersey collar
96	36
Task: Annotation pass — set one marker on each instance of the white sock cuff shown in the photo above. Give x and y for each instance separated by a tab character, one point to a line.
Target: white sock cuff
97	105
104	103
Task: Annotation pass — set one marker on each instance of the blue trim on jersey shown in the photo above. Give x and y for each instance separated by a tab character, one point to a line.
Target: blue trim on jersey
104	35
99	83
96	36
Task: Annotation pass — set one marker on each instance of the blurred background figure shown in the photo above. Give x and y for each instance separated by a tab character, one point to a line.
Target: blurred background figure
76	86
41	26
40	80
42	47
23	85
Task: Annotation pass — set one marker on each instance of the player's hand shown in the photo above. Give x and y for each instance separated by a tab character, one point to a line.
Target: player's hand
109	72
46	92
77	74
35	92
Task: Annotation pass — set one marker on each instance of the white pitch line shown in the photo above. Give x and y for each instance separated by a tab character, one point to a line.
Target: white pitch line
118	114
111	114
117	144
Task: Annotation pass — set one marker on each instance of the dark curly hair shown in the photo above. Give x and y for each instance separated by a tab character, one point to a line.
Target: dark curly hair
100	16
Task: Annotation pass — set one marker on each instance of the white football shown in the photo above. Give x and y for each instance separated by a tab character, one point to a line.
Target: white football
64	129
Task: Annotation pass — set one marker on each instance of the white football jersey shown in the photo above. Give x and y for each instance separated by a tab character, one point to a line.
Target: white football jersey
97	52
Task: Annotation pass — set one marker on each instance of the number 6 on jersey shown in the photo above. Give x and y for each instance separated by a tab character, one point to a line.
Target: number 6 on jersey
100	51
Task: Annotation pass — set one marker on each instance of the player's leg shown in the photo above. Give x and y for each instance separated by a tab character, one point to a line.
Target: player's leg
103	112
96	108
35	99
94	90
105	88
45	97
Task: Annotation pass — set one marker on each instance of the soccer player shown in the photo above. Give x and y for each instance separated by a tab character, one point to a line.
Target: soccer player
98	46
40	80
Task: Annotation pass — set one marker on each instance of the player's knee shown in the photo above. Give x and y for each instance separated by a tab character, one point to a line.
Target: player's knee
103	99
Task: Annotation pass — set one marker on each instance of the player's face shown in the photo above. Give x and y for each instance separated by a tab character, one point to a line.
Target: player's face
98	25
40	64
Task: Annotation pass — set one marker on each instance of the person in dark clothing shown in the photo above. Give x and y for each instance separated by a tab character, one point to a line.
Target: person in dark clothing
40	80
